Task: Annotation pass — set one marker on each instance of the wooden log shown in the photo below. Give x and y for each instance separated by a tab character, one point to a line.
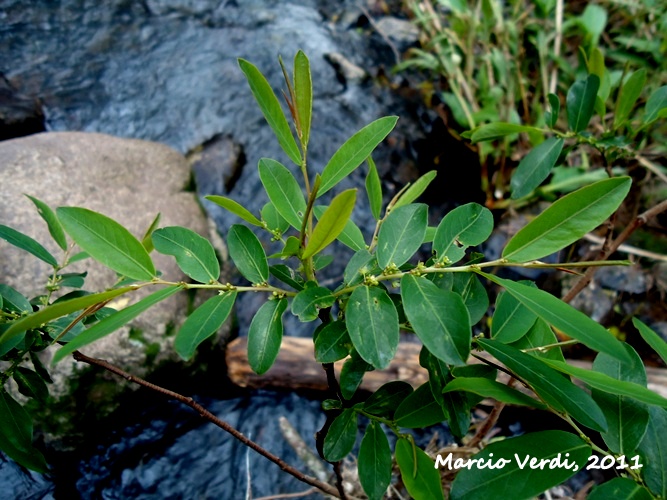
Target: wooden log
296	368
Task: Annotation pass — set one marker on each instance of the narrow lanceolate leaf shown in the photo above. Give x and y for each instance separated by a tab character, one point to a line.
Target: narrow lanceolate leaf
535	167
653	450
628	95
439	317
567	220
419	409
374	189
147	238
608	384
332	223
416	189
372	321
303	91
512	319
12	300
401	234
620	487
627	418
374	462
52	222
351	236
114	322
420	477
332	343
514	477
30	384
355	150
492	389
655	104
551	386
581	102
465	226
652	339
554	102
202	323
194	254
247	253
16	435
270	106
265	335
564	317
341	436
107	242
235	208
308	302
57	310
283	190
498	130
25	242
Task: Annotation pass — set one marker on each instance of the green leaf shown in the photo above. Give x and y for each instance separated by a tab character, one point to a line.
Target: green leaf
473	293
303	92
374	189
551	386
146	239
467	225
581	102
107	242
626	418
372	321
419	409
265	335
202	323
554	102
332	223
384	401
13	300
273	219
341	437
415	190
609	384
194	254
628	95
52	222
355	150
401	234
25	242
352	373
512	320
653	450
656	103
114	322
567	452
439	317
498	130
351	236
16	435
593	20
492	389
57	310
30	384
235	208
310	300
359	264
535	167
567	220
540	335
270	106
564	317
620	488
652	339
283	190
287	275
39	368
247	253
419	475
374	462
332	343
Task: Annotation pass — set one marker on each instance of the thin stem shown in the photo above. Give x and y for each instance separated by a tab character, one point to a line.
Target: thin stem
326	488
545	348
223	287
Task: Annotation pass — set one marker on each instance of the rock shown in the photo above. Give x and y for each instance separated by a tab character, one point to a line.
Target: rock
125	179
